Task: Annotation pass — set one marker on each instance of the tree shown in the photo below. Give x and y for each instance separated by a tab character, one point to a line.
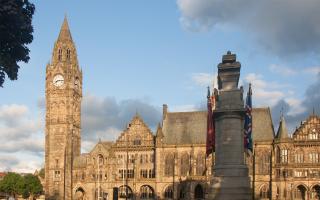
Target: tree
15	33
12	184
32	186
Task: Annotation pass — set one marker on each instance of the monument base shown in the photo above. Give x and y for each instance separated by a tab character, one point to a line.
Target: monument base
231	187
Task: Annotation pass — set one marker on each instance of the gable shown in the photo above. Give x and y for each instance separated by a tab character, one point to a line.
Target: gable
137	134
308	130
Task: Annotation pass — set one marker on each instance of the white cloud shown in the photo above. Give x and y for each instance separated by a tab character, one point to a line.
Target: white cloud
184	108
204	79
312	70
282	70
296	106
23	135
264	93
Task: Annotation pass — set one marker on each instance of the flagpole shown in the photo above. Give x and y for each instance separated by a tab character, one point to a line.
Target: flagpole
253	173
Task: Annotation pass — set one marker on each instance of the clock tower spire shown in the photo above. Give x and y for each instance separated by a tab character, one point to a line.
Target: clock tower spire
63	112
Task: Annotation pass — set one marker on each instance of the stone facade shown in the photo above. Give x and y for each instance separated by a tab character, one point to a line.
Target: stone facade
170	163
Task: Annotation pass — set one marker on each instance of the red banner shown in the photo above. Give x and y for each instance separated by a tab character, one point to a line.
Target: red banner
210	125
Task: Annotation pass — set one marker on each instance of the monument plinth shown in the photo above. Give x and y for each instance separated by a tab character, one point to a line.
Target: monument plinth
230	179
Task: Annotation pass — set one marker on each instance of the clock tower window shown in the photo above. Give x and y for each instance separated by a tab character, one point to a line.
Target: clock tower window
59	54
68	54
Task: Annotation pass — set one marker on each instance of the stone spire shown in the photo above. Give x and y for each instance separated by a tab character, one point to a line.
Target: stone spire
159	132
65	34
282	130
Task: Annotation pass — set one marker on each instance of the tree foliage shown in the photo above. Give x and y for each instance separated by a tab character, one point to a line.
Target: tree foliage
15	184
32	185
15	33
12	184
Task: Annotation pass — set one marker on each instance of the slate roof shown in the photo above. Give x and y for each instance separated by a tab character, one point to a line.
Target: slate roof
185	127
191	127
262	127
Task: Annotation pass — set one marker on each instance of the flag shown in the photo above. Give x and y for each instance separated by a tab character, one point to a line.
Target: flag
248	121
210	126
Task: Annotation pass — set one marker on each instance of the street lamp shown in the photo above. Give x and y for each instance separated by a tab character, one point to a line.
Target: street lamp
291	188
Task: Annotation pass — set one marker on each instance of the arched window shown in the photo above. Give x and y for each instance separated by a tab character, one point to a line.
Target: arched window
299	157
80	194
264	191
184	165
125	192
146	192
200	170
278	155
68	54
284	155
168	193
315	192
182	192
264	163
313	157
198	192
60	54
100	160
169	165
300	192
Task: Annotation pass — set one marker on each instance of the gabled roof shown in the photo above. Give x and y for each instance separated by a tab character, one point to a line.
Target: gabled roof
136	130
191	127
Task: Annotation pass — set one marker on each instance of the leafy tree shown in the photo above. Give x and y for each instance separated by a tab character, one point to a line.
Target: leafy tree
32	186
12	184
15	33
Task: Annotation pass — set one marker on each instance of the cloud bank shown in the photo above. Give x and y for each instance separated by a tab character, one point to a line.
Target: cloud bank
286	27
105	118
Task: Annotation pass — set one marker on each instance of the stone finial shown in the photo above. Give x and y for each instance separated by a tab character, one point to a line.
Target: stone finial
228	72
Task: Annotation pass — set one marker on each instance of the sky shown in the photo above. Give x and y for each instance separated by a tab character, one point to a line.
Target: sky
138	55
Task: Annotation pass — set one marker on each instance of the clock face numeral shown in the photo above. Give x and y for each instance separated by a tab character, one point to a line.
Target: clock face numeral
58	80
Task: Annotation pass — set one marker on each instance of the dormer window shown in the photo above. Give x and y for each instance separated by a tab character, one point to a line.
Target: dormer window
59	54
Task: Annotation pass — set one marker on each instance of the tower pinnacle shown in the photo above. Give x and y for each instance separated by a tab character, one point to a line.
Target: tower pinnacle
282	131
65	34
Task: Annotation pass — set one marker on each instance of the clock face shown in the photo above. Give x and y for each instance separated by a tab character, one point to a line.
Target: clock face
58	80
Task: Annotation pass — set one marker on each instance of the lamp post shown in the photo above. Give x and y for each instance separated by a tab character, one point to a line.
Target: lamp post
291	188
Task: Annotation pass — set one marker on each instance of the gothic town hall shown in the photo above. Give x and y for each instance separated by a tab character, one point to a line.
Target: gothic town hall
170	163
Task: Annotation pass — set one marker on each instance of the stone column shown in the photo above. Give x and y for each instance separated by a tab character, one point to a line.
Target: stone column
230	179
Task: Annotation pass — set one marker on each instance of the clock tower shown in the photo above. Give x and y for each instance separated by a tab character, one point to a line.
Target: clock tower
63	110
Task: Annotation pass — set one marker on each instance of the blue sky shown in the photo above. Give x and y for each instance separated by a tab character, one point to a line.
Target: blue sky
138	55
